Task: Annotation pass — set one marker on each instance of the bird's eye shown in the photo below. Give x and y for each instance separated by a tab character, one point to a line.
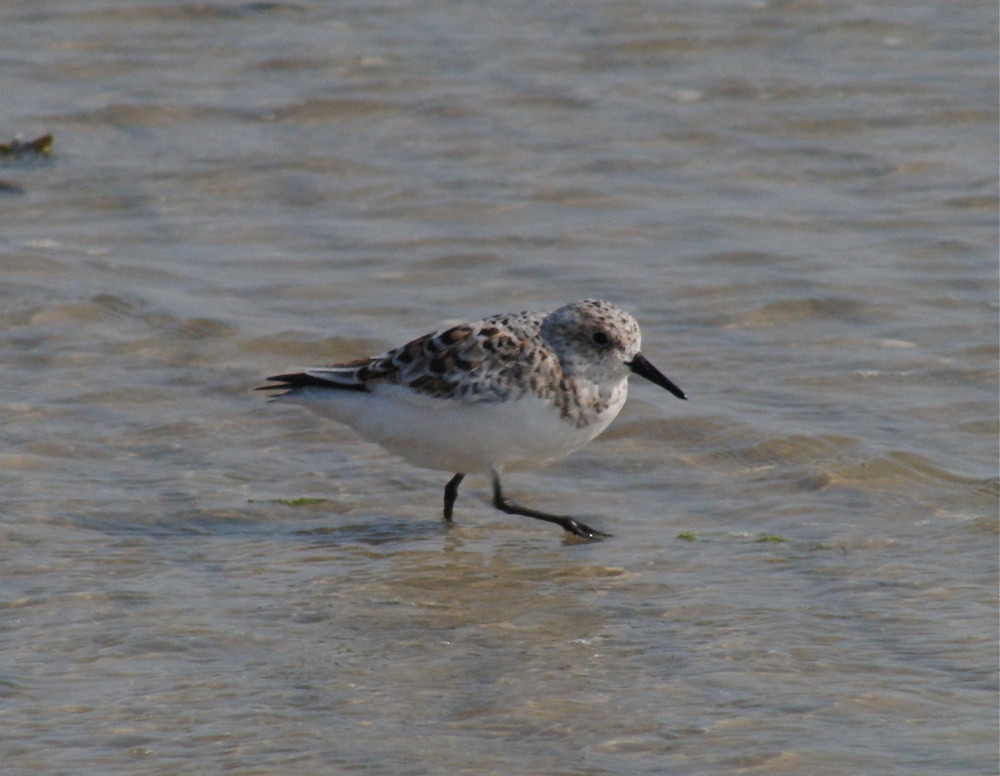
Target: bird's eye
599	338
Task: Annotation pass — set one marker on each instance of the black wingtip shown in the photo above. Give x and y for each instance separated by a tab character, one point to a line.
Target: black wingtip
293	380
284	382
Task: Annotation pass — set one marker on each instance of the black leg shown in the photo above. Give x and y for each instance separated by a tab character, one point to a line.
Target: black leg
574	527
450	494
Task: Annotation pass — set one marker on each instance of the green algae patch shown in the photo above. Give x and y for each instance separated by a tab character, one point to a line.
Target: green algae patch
291	502
728	536
17	148
771	538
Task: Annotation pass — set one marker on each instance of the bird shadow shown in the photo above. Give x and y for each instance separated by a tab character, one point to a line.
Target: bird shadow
374	533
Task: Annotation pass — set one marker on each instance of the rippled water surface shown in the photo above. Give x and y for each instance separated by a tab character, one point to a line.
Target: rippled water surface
798	200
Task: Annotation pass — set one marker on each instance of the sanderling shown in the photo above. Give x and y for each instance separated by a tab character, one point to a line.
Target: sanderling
511	390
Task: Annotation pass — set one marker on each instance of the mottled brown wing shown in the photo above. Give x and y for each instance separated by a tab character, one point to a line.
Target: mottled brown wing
483	361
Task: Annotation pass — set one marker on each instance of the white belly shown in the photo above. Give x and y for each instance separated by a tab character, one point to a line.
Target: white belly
455	436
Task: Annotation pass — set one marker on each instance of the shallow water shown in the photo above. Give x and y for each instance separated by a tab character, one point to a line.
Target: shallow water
798	201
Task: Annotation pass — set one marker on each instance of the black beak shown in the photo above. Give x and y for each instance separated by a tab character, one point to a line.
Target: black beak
643	368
